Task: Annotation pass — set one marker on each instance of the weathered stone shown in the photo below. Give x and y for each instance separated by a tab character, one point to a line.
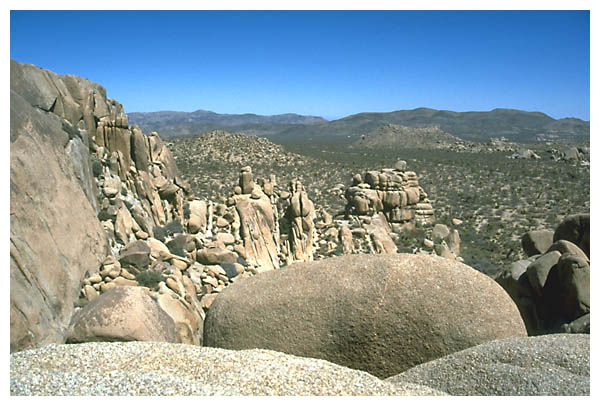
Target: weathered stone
372	326
300	216
440	232
257	230
96	278
226	238
136	253
443	251
566	294
379	230
538	271
575	228
536	242
121	281
51	249
246	182
232	269
453	241
567	247
577	326
105	287
510	367
400	165
158	250
345	236
188	323
208	299
138	318
215	256
90	293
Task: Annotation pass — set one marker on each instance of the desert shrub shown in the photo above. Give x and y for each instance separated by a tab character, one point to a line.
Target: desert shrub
149	278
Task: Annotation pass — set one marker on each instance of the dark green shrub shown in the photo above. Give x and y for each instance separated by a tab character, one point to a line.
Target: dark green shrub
149	278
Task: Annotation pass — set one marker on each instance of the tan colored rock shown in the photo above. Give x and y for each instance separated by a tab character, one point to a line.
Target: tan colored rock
179	264
246	181
109	264
120	281
105	287
157	248
122	314
172	284
188	323
127	275
257	230
300	214
345	236
423	307
96	278
226	238
207	300
379	230
51	249
90	293
215	256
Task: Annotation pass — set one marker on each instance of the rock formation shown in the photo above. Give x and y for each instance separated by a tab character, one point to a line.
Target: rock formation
55	237
395	192
378	313
87	194
552	288
300	214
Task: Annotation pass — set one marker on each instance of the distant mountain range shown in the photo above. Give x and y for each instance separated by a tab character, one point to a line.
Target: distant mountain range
177	124
514	125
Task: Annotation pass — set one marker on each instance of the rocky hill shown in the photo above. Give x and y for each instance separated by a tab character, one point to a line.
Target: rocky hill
181	124
211	163
397	136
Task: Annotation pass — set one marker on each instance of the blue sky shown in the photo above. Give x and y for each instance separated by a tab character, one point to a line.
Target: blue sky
330	64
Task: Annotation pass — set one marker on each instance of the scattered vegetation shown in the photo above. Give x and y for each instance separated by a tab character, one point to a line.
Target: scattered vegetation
498	199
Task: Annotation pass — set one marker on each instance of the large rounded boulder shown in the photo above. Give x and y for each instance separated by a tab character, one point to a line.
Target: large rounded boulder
378	313
123	313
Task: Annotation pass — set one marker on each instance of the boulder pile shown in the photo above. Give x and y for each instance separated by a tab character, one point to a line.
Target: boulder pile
552	286
394	192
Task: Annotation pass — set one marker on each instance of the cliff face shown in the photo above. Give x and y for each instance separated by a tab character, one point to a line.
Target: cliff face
69	145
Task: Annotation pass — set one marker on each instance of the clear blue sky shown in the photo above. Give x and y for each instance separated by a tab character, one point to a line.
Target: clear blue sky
323	63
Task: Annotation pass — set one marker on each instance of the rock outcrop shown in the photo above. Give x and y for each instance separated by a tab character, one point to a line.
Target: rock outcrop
300	215
549	365
552	289
55	237
378	313
395	192
87	192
